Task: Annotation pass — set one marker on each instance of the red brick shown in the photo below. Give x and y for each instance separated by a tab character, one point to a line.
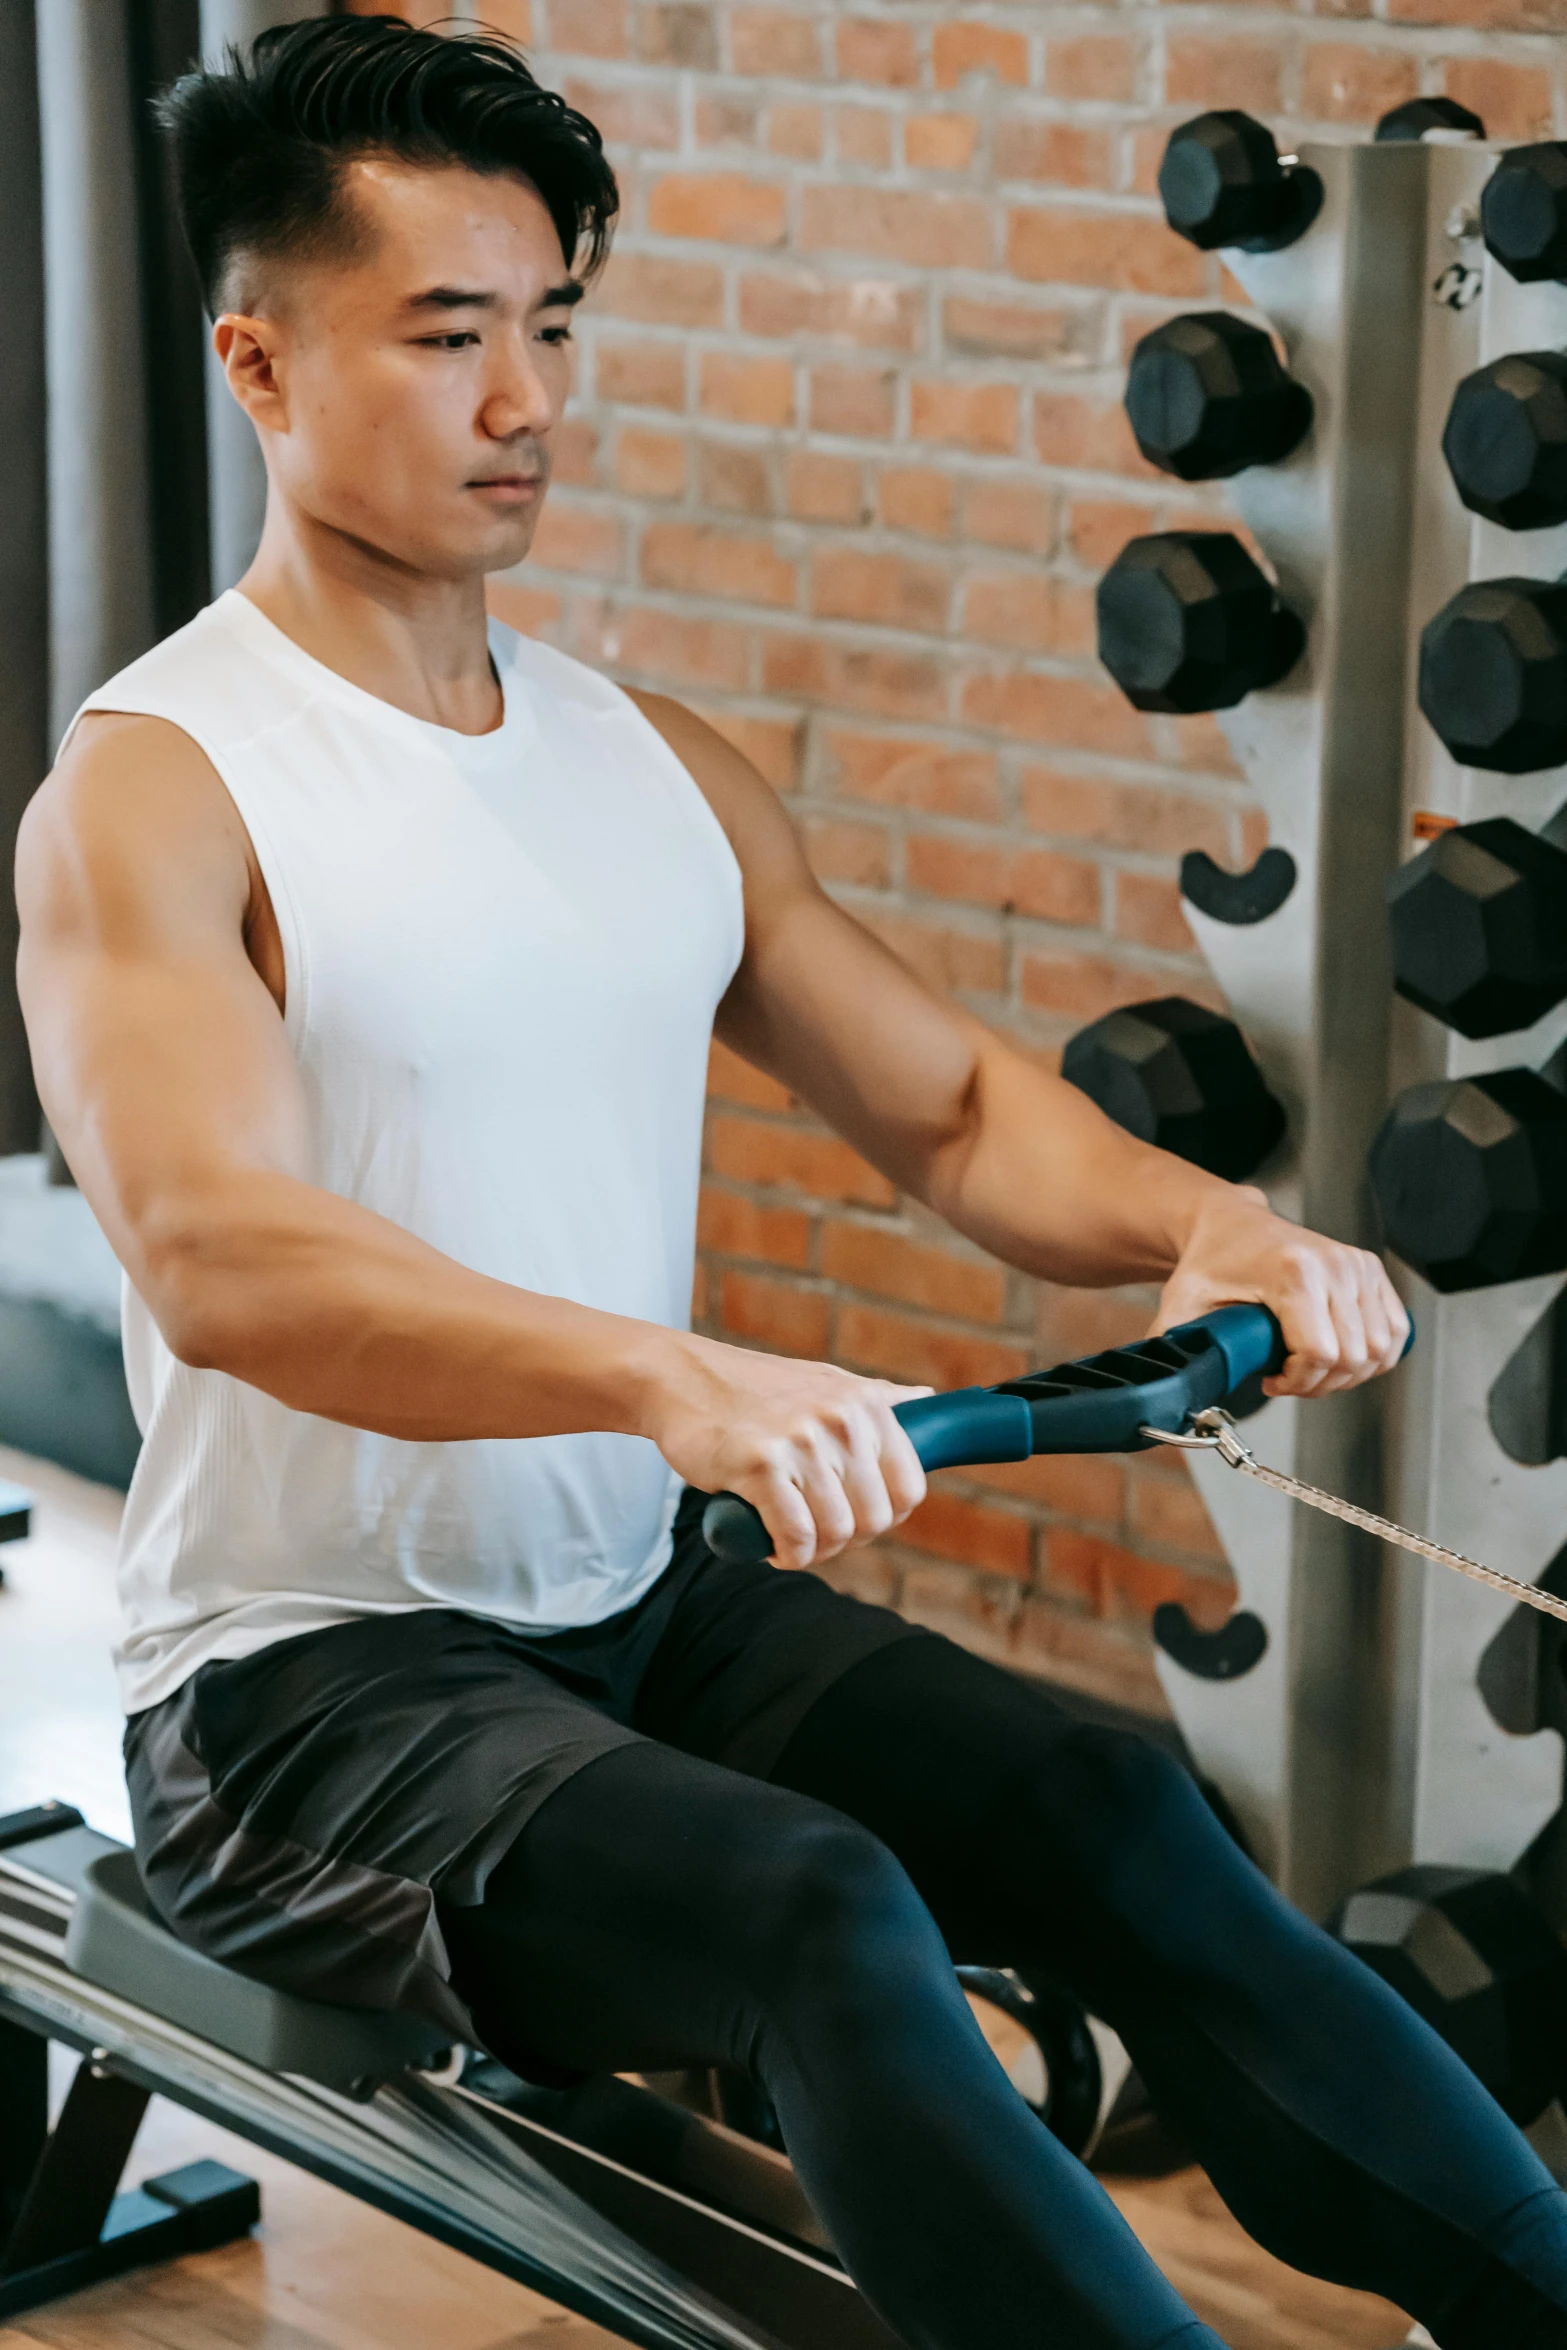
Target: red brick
993	1542
895	773
627	114
978	416
1067	154
574	538
865	1256
1090	436
939	142
574	445
773	1314
529	610
771	744
951	961
792	1158
961	48
727	121
1122	815
1027	609
795	130
863	134
855	402
1084	986
870	679
858	854
702	560
700	1297
1148	912
681	651
1011	511
1011	330
1223	73
897	1346
1090	1486
1084	712
677	32
825	489
1170	1512
727	205
1513	101
978	1612
660	290
1094	65
1201	742
1254	835
733	1079
1348	83
868	1574
1036	882
1078	1653
1511	16
877	49
736	479
650	464
1098	528
1123	252
1107	1576
886	591
1077	1322
916	498
738	1227
871	312
746	390
926	227
588	28
640	375
775	42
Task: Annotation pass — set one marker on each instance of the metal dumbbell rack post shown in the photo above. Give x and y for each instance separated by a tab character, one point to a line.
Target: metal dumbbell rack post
1355	1739
1475	1766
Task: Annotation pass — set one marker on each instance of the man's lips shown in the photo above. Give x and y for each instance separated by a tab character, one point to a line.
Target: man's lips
517	485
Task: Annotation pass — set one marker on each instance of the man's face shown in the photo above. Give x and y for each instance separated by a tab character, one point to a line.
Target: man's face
405	397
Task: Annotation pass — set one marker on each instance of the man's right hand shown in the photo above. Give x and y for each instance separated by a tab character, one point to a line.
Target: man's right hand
815	1449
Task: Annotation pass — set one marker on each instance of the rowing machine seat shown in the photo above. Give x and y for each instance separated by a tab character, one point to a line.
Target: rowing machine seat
115	1941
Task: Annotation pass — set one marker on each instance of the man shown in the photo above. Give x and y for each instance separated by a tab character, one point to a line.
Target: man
369	962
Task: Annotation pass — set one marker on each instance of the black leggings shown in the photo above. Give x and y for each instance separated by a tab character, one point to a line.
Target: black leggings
661	1911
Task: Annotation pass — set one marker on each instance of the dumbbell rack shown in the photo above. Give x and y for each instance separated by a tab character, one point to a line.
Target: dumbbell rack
1361	1740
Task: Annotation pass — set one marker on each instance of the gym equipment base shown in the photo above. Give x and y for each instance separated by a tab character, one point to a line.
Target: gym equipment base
660	2225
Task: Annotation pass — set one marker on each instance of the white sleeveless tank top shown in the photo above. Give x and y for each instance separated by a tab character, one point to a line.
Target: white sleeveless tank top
503	953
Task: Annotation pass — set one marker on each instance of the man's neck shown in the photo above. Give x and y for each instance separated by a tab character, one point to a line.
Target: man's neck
414	641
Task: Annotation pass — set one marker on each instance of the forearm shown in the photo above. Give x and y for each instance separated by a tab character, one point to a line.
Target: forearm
338	1312
1042	1179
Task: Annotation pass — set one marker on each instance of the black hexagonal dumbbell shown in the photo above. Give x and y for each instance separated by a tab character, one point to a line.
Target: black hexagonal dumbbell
1470	1177
1187	621
1474	1955
1180	1077
1223	184
1206	396
1417	116
1506	440
1523	211
1479	927
1493	674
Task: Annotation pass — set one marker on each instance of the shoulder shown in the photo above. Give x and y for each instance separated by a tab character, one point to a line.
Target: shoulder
216	678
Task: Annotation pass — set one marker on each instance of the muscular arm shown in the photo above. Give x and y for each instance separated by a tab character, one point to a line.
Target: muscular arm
1006	1151
163	1066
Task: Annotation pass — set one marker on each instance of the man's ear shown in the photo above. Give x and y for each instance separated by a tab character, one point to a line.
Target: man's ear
248	350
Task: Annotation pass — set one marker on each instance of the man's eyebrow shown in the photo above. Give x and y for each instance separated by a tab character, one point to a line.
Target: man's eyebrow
563	296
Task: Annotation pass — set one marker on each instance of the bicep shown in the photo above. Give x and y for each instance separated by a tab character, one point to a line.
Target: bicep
160	1056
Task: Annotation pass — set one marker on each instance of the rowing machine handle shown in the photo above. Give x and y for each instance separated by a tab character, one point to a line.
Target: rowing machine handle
1097	1405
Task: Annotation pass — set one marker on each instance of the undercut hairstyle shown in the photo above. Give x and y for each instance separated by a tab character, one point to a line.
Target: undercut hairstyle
262	145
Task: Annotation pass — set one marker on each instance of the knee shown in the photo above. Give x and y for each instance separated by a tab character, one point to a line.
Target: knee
838	1906
1108	1796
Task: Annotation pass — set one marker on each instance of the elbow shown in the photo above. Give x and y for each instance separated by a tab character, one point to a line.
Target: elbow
185	1284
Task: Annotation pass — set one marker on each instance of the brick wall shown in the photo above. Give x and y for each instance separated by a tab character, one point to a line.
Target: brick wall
844	462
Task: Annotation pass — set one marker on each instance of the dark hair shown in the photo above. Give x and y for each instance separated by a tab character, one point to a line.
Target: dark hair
259	147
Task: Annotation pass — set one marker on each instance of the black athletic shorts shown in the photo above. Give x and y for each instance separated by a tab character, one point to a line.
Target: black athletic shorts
298	1812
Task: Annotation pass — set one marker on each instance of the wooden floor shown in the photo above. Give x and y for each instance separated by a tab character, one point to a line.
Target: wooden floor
325	2272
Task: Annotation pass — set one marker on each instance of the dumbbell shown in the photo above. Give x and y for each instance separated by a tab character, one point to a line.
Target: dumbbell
1417	116
1470	1951
1479	927
1523	211
1470	1179
1206	396
1493	674
1222	183
1187	621
1506	440
1180	1077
